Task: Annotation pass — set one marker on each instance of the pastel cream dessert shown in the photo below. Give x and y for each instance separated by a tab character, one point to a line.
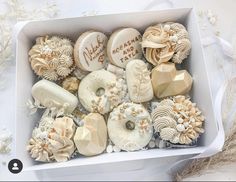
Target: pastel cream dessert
164	42
91	138
138	81
52	57
100	91
130	127
51	95
52	140
167	81
90	51
123	46
178	120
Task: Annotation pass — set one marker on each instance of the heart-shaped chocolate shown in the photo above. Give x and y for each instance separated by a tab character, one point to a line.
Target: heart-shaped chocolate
167	81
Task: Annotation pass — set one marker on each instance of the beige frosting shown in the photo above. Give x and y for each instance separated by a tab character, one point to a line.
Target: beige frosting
179	121
52	57
130	127
71	84
60	139
167	81
38	149
138	81
91	138
100	91
164	42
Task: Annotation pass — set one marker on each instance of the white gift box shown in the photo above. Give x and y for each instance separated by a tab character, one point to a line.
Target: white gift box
72	28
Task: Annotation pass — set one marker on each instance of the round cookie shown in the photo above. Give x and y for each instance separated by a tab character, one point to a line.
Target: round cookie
100	91
124	45
130	126
90	51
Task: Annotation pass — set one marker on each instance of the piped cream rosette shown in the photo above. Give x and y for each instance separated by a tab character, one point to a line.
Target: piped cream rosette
164	42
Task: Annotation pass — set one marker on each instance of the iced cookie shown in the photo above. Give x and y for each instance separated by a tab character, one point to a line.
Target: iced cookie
124	45
138	81
91	138
51	95
90	51
100	91
130	126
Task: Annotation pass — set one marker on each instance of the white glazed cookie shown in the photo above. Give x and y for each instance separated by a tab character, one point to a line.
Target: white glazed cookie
130	126
138	81
123	46
90	51
51	95
100	91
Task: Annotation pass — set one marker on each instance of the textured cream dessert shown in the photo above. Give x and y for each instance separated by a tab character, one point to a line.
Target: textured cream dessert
90	51
52	57
52	140
164	42
178	120
124	45
130	127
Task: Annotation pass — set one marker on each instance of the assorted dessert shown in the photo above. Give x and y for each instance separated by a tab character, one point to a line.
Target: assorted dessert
112	93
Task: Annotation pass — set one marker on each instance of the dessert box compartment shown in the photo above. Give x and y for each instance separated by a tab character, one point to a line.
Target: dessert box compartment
72	28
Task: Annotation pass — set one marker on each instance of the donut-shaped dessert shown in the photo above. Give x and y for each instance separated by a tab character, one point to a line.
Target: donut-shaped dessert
130	126
100	91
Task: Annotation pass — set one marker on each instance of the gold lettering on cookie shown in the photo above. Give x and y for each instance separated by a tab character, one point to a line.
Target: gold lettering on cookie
95	51
127	49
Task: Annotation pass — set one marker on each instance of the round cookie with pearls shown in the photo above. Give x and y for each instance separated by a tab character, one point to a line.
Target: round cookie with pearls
90	51
124	45
130	126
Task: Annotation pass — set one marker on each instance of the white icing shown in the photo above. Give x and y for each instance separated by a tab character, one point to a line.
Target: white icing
134	136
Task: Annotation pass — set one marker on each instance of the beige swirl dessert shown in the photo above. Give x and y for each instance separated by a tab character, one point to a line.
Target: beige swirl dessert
52	140
178	120
130	126
52	57
164	42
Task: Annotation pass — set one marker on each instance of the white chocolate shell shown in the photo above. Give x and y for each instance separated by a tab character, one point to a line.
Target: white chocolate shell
52	57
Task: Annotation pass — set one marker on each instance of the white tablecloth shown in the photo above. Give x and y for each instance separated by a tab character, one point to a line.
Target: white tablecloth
154	169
